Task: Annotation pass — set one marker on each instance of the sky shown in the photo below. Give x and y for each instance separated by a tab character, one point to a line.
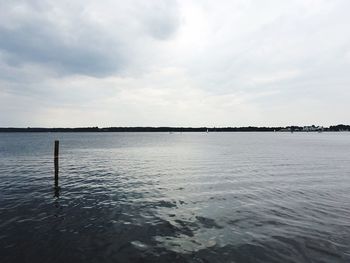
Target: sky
174	63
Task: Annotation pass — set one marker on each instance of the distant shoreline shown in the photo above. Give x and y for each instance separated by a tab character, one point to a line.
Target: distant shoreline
312	128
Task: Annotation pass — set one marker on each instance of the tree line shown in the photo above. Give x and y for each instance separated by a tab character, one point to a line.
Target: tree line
340	127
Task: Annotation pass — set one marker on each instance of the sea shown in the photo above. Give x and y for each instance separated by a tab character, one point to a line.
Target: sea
175	197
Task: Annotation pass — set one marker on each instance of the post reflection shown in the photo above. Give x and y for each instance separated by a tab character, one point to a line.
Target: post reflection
57	191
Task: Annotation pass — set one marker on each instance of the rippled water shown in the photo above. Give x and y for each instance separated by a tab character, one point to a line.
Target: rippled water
190	197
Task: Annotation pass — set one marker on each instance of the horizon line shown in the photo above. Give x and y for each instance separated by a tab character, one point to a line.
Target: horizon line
338	127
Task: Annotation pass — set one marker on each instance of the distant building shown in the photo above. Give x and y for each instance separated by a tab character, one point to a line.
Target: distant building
285	130
312	128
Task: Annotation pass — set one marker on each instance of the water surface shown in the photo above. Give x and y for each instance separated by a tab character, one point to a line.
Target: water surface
181	197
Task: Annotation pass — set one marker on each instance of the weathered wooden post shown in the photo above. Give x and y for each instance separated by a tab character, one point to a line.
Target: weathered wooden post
56	162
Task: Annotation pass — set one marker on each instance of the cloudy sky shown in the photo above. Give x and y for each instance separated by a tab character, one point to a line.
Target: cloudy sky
174	63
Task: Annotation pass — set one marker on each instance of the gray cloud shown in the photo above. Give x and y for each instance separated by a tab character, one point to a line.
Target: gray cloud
164	62
77	40
162	20
35	44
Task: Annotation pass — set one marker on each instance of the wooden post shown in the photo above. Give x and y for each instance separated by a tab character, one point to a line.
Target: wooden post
56	162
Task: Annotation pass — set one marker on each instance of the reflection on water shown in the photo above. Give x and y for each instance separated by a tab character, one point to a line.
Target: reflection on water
56	190
145	197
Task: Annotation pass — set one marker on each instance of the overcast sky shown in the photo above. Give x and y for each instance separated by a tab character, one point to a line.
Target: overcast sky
174	63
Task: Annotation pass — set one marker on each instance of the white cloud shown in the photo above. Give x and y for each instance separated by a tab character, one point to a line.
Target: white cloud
183	63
